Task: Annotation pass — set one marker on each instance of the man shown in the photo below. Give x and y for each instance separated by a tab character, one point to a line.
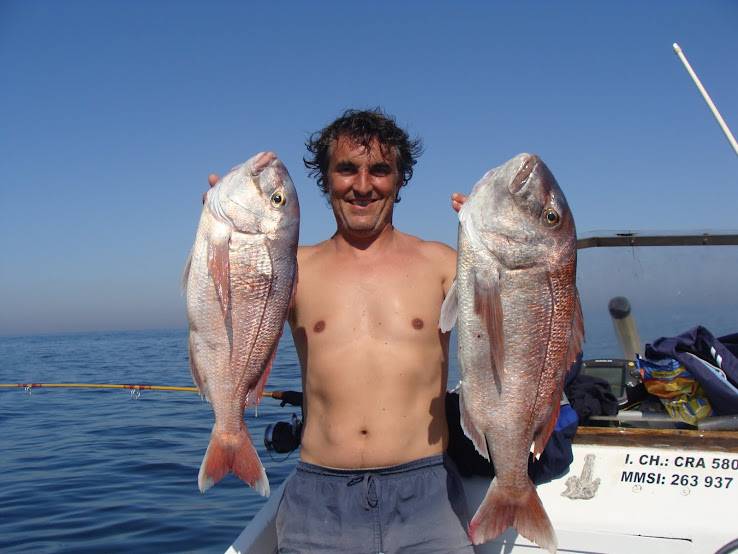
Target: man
372	475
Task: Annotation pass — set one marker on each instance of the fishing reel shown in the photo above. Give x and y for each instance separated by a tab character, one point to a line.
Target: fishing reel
283	436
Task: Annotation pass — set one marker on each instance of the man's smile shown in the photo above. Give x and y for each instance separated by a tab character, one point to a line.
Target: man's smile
361	202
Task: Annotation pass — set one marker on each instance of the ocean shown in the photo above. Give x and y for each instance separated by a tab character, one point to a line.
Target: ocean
104	470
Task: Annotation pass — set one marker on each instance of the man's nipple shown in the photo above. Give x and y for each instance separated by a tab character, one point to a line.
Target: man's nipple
418	323
319	326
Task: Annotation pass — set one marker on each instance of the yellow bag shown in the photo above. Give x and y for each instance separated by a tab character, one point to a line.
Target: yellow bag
679	392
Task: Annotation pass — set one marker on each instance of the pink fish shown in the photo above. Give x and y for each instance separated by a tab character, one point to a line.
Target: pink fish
240	279
520	328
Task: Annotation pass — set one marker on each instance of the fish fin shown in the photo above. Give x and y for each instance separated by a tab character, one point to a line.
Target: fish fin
478	439
199	383
488	306
232	452
575	347
291	305
449	310
219	266
462	212
577	332
466	223
186	273
541	438
253	396
524	512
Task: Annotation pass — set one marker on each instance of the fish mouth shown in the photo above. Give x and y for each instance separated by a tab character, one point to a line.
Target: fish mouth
261	162
522	177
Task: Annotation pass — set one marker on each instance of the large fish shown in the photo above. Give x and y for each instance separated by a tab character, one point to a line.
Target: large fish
519	329
240	279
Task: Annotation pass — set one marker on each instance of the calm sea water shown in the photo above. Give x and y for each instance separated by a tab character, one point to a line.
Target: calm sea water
97	470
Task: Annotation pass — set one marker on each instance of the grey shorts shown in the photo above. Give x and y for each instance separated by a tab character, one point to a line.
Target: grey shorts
414	507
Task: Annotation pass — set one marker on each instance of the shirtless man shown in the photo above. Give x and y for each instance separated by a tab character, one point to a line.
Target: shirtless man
372	475
365	324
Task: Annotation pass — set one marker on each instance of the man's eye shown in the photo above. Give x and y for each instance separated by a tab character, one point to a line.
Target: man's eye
345	169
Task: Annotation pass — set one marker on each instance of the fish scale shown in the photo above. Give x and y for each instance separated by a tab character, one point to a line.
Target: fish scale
519	330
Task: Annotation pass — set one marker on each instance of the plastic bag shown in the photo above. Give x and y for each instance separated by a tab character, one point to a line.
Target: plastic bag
679	392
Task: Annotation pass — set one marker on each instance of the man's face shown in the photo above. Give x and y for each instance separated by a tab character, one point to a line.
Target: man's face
362	184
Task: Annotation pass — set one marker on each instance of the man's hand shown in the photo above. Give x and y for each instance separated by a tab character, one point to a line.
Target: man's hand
457	199
213	180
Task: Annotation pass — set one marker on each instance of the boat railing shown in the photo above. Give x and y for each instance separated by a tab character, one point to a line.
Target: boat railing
713	237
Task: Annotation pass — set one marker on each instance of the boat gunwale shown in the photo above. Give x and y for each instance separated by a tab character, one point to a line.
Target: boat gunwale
707	237
687	439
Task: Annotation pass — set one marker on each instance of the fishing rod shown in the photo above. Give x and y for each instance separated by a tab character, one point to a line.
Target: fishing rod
286	396
97	386
713	109
29	386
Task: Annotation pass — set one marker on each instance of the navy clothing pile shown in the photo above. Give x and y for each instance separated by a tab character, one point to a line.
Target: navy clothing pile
712	361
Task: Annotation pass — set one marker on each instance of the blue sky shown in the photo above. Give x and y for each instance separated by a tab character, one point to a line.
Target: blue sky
114	113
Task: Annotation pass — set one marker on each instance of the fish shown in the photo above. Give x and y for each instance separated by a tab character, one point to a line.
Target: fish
240	280
520	327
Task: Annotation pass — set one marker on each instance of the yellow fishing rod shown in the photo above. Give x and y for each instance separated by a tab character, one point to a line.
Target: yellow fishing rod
29	386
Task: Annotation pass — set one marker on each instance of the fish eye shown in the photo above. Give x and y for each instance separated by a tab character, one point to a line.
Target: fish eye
550	216
278	199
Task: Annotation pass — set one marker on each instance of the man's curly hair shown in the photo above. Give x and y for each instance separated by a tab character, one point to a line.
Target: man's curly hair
362	127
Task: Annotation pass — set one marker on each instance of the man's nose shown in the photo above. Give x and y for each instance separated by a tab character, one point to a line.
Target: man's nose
362	183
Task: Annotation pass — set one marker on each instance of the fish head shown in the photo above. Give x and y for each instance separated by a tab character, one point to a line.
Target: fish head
257	197
520	215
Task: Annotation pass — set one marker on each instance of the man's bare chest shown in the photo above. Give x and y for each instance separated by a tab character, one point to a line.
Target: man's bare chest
398	304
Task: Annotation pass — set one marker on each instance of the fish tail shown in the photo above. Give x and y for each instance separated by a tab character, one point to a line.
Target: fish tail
524	512
233	452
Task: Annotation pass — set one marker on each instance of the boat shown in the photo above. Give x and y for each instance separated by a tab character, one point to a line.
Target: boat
640	481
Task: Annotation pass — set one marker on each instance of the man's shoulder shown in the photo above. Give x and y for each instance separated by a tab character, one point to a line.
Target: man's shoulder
306	252
438	248
429	248
436	257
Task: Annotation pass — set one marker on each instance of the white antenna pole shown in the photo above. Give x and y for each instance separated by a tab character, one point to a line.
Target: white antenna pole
706	96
